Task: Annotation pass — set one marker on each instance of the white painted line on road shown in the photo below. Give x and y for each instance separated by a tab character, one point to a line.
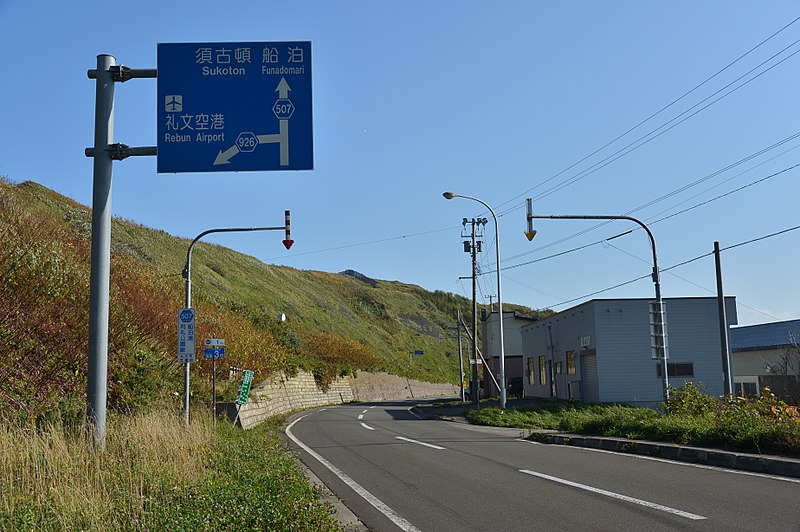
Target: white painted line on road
679	463
367	426
414	413
615	495
355	486
432	446
364	411
361	416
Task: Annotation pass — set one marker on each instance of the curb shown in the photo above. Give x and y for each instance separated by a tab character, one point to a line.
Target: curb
742	461
755	463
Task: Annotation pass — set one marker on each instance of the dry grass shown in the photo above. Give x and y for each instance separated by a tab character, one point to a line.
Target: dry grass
53	480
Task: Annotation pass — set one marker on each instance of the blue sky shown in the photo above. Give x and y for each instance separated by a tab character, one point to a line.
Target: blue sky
501	100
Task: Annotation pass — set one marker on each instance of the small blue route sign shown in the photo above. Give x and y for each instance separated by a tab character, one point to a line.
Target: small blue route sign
230	107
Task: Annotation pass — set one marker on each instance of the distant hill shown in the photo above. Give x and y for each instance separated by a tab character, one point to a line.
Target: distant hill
336	323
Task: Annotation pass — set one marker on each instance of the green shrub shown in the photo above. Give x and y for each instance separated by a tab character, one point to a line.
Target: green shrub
765	424
688	400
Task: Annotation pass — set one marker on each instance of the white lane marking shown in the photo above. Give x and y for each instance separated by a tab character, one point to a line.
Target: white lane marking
373	406
361	416
616	495
414	413
432	446
364	411
367	426
355	486
679	463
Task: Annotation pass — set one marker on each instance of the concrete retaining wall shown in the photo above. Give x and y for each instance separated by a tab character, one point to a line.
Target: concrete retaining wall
279	394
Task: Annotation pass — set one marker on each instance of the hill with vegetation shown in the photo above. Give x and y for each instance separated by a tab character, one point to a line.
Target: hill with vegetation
337	323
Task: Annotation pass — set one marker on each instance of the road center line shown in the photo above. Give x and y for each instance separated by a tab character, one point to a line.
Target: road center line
410	411
367	426
432	446
355	486
615	495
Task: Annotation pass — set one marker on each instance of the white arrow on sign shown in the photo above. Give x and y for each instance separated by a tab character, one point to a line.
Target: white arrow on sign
282	137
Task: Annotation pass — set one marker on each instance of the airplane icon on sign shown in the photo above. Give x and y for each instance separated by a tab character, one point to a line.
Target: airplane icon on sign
173	103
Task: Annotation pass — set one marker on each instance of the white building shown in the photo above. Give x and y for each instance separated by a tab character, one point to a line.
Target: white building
512	340
767	354
600	351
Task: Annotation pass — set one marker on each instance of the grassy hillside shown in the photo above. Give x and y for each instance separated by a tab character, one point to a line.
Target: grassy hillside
336	323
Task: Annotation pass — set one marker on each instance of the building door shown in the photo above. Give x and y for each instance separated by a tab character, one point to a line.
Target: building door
589	378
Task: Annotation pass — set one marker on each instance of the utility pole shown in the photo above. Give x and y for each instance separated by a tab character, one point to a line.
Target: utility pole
460	357
727	382
473	247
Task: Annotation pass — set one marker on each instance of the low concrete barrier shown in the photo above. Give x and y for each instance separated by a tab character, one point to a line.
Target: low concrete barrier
280	394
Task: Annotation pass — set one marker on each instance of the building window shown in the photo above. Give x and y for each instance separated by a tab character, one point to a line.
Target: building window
570	362
746	389
542	372
531	370
559	368
746	386
676	369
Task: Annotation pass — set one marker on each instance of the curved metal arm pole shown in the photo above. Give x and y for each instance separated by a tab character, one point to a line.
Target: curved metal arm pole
502	376
187	275
660	326
187	268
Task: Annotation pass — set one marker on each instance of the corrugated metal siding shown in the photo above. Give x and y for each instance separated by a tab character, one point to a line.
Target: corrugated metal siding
619	332
765	335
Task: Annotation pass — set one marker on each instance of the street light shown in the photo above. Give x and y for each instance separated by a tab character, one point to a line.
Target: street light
502	386
187	275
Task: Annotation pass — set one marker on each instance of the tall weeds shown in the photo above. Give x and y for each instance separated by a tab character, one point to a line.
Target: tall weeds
52	479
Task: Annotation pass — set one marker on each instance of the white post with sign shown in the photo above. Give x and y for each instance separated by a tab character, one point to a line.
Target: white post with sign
186	354
215	348
186	328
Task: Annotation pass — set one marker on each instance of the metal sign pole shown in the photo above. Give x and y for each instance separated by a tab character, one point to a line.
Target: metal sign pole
214	390
96	391
104	153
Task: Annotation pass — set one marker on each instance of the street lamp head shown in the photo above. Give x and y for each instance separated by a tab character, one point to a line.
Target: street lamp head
449	195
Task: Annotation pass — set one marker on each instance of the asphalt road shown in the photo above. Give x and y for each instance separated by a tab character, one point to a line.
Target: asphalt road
397	471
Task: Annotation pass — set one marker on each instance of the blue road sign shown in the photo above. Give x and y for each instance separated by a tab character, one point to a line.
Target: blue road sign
186	334
214	352
230	107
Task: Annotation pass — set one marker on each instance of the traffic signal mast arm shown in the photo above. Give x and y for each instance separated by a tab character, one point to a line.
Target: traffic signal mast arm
660	326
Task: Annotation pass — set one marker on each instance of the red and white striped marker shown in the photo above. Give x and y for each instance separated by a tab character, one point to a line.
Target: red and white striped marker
288	242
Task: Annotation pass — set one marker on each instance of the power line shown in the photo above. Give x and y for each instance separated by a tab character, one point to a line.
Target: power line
727	193
573	179
665	196
368	243
761	238
685	280
634	146
734	177
606	240
631	281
